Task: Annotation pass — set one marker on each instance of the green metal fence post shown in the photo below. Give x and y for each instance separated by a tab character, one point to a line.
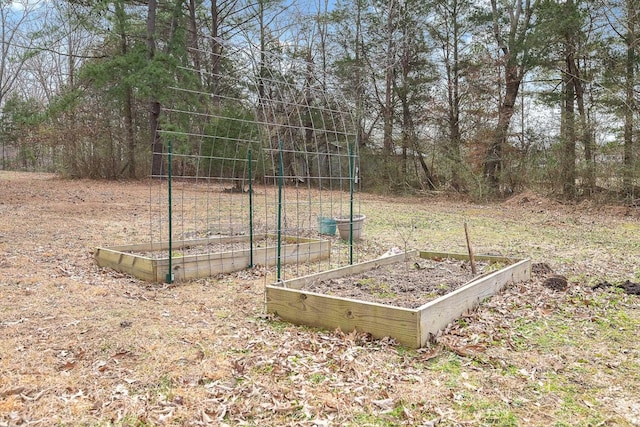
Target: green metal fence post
250	208
169	276
280	189
351	182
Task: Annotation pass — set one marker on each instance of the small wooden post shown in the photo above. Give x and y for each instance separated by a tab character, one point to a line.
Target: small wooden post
470	249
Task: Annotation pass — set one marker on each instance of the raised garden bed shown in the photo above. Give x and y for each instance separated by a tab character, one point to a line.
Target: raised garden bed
197	258
417	311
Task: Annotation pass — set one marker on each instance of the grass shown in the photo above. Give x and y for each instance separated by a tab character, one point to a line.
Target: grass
582	351
202	352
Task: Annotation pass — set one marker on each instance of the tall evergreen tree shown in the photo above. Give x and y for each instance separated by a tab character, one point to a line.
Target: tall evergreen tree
620	82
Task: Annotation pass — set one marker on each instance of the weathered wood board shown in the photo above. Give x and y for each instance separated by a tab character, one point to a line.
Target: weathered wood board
410	327
127	258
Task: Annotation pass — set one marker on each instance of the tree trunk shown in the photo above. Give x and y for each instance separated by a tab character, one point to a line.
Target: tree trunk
128	92
216	52
308	95
493	157
453	98
154	105
568	132
387	112
515	54
629	155
359	76
131	140
587	133
263	55
193	38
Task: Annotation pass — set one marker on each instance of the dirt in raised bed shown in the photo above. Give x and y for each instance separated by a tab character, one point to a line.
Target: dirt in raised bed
210	248
403	284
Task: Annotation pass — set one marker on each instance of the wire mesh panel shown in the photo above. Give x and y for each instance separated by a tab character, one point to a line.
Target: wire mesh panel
261	152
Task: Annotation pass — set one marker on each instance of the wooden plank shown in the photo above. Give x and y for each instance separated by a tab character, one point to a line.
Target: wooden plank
110	256
304	252
208	264
208	267
328	312
465	257
204	265
137	266
298	252
437	314
301	282
179	244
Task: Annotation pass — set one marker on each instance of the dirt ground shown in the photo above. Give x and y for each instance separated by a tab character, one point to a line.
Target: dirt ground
81	345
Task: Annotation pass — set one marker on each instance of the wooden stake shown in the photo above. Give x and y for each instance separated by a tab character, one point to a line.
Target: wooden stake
470	249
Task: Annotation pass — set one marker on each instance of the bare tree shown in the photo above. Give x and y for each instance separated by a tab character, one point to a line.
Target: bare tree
631	44
448	30
512	26
19	22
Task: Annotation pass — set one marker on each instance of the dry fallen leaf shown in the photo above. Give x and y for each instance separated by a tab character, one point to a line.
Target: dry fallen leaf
209	342
384	404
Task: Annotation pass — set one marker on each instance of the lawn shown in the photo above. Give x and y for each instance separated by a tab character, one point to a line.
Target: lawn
81	345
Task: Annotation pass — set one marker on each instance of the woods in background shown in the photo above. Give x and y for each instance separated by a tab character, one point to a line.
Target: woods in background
483	98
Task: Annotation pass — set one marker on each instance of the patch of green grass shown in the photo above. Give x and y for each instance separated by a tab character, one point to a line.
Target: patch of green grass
563	331
474	408
396	412
279	325
106	347
368	282
162	389
495	266
317	378
406	351
377	289
594	338
368	419
555	384
264	368
383	295
499	416
462	322
550	336
573	407
239	351
393	417
447	363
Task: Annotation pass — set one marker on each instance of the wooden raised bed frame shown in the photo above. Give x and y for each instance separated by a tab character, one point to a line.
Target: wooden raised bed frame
410	327
126	259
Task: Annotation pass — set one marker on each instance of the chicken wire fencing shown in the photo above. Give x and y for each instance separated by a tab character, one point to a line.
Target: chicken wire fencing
259	167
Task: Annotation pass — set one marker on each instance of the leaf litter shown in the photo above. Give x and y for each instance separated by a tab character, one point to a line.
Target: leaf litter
203	352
